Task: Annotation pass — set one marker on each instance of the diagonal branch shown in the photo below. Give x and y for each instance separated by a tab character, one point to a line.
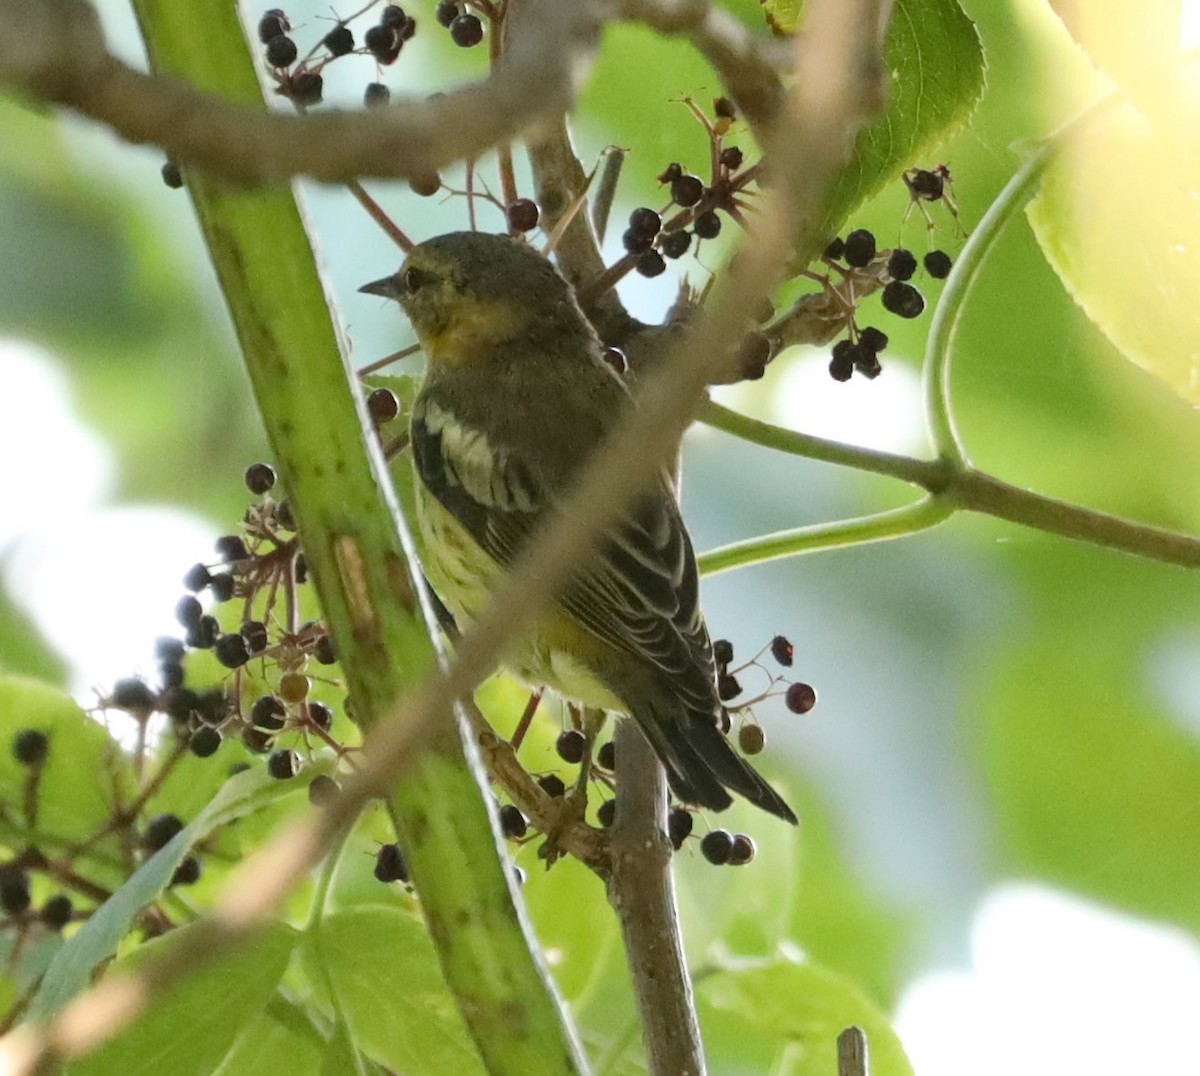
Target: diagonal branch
54	50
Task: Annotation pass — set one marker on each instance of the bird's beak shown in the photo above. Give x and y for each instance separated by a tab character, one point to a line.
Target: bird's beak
388	287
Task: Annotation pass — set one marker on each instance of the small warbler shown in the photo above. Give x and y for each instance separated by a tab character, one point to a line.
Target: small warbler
516	397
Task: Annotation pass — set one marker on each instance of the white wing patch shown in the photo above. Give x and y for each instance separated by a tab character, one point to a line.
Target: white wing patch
479	467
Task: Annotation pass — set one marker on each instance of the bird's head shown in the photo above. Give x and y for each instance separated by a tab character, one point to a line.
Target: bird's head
467	293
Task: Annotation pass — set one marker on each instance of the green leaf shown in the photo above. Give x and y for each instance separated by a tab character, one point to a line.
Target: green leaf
1116	218
385	974
1092	782
784	1015
267	1042
187	1030
80	775
98	938
935	67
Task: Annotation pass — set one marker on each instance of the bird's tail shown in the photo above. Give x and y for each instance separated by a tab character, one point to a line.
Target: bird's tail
701	763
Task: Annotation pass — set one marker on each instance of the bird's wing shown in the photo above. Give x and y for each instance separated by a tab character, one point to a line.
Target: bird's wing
639	592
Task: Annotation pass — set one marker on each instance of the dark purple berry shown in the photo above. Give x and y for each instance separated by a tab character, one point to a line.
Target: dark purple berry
259	478
671	173
213	706
31	747
782	650
394	15
322	789
161	830
723	109
273	23
731	158
902	264
132	695
467	31
319	716
339	41
523	215
635	242
873	340
231	650
446	12
169	650
231	547
512	822
14	890
728	686
716	846
679	826
255	634
835	250
283	764
800	698
552	785
189	611
205	741
860	248
675	244
281	51
937	264
56	912
268	713
571	745
376	95
196	578
707	226
645	222
742	851
687	190
222	585
306	88
722	651
383	42
187	873
650	263
615	357
301	568
324	652
606	757
390	865
903	299
171	175
606	813
841	367
383	406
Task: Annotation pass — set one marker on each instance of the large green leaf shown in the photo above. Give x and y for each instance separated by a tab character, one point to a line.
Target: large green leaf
97	940
384	972
935	67
188	1030
784	1016
80	775
1116	217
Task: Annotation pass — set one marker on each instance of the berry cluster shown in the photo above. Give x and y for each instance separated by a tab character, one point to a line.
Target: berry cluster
798	696
695	206
257	566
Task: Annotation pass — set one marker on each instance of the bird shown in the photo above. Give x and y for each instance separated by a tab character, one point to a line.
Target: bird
515	398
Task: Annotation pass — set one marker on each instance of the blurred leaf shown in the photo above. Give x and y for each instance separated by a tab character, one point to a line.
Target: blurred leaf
23	651
98	938
83	771
935	67
784	1016
267	1043
188	1029
383	969
1094	785
1116	217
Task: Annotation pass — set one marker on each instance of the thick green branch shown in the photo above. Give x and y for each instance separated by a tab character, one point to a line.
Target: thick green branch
363	569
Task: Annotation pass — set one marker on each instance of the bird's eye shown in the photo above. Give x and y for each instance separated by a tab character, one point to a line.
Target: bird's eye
415	279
